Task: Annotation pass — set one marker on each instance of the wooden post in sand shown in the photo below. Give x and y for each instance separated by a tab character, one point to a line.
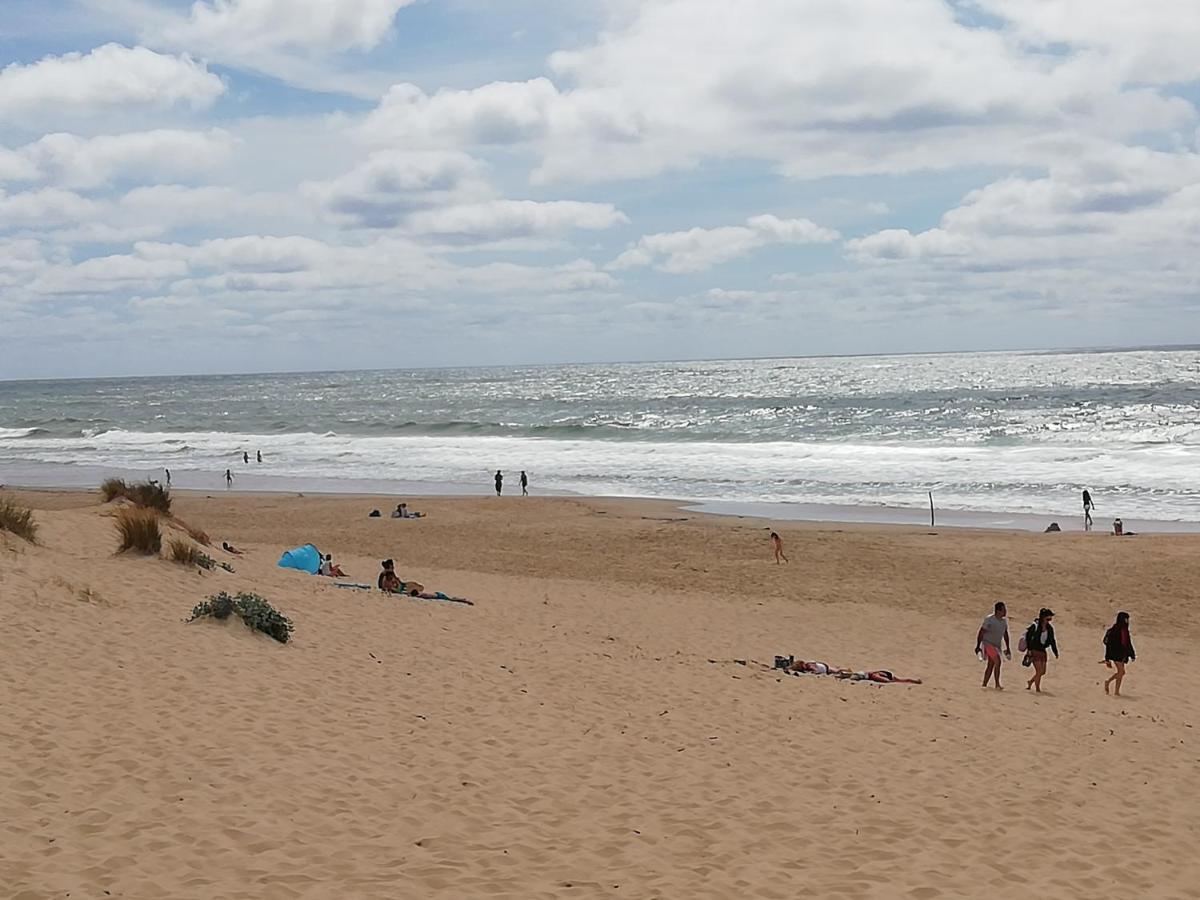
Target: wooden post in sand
932	518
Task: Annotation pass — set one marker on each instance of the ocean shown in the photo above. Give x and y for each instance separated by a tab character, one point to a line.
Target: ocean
1009	432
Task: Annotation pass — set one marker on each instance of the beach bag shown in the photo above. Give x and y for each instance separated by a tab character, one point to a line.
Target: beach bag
1022	644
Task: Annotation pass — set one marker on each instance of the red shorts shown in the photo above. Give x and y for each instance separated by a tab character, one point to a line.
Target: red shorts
991	653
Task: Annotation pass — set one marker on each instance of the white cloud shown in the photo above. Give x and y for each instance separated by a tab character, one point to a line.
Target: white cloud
1119	206
69	160
252	26
391	184
900	243
44	210
501	219
702	248
808	86
496	113
109	77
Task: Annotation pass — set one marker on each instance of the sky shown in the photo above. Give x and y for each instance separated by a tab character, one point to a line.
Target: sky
271	185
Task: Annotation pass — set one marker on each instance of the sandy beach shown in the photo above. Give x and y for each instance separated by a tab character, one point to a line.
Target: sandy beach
586	729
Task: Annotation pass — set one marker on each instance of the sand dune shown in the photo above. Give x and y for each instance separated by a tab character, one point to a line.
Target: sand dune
584	730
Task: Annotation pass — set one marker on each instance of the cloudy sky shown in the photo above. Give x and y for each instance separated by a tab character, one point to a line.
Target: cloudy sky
252	185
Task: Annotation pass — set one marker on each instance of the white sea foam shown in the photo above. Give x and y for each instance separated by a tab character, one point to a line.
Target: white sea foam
1009	432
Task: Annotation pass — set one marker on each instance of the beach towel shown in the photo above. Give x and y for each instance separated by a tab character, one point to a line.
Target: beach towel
305	558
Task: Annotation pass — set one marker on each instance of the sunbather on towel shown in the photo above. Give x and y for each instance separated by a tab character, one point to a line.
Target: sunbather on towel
879	676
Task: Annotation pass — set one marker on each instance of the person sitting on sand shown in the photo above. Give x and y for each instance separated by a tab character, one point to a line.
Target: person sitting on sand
229	548
777	543
389	582
330	569
403	512
1118	651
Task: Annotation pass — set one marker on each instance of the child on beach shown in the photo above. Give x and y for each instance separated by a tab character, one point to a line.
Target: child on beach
992	633
1118	651
777	543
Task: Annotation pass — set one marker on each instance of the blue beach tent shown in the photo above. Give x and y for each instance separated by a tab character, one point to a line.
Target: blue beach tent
305	558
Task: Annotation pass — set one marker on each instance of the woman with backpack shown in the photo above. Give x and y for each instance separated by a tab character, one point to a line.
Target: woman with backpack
1039	637
1118	651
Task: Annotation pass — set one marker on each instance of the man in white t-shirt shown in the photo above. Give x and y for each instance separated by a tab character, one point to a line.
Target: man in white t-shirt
992	633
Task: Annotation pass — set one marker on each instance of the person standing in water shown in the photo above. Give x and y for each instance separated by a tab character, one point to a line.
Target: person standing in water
524	484
777	543
1088	506
499	482
245	458
260	456
228	479
992	633
1039	638
1118	651
168	471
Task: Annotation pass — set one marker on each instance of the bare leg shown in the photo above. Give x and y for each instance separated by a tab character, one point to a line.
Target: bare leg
987	673
1119	677
1039	669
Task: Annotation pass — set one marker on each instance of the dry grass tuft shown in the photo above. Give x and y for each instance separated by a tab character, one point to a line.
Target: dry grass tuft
139	531
113	489
17	519
142	494
199	535
182	551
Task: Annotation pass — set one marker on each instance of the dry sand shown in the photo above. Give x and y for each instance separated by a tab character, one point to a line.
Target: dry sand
571	735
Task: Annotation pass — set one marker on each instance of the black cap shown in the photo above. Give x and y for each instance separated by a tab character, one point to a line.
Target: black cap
1045	613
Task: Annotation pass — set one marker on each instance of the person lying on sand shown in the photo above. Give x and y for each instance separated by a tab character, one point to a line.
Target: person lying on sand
229	548
879	676
813	667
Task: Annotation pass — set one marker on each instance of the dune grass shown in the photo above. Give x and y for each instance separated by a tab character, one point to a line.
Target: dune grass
17	519
141	494
182	552
199	535
139	532
113	489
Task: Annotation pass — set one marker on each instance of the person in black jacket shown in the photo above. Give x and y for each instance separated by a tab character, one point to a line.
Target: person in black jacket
1118	651
1039	637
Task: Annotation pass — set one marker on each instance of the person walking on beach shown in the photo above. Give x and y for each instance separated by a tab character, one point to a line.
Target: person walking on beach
524	484
1118	651
1039	638
168	471
228	479
777	543
992	633
260	456
1088	506
499	482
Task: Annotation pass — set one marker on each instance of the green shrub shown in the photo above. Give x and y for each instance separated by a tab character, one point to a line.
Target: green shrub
17	519
139	531
252	609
